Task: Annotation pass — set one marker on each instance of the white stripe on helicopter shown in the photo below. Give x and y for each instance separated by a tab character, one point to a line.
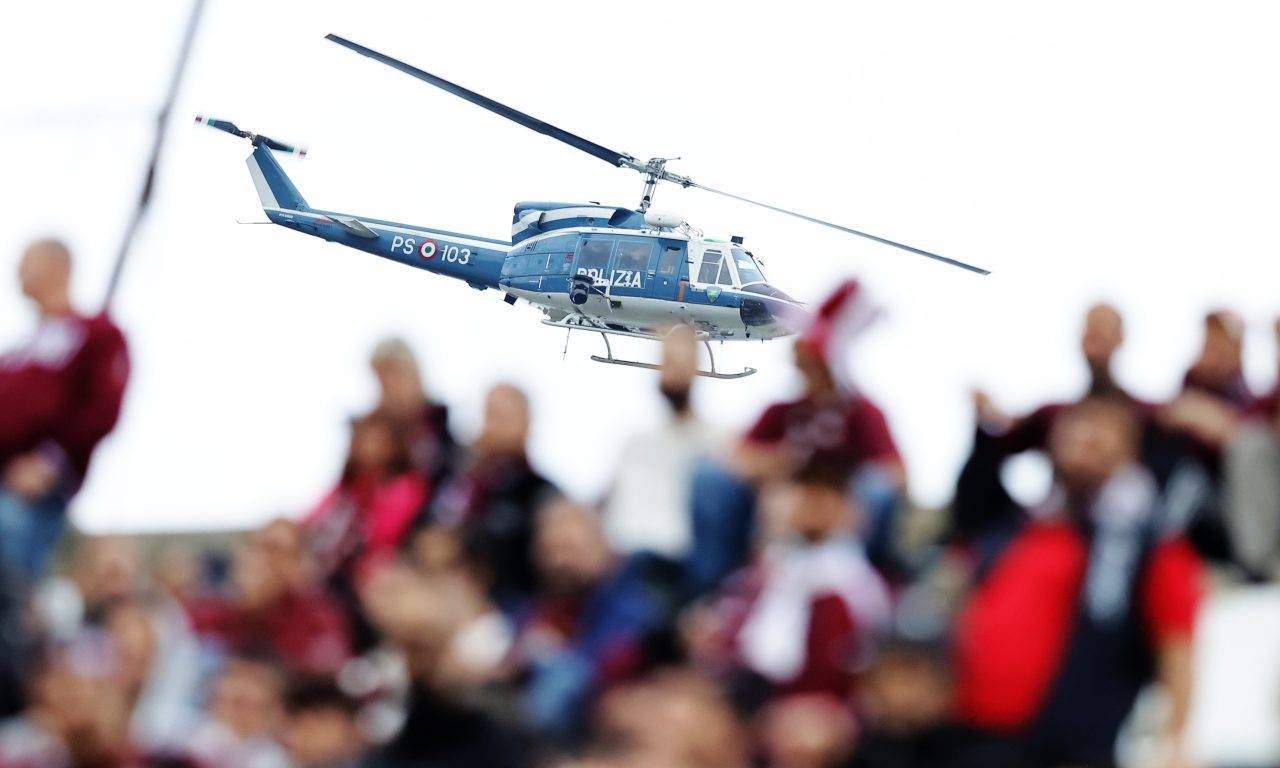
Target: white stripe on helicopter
405	231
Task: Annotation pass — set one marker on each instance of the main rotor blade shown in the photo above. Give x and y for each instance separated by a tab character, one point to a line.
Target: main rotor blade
610	156
859	233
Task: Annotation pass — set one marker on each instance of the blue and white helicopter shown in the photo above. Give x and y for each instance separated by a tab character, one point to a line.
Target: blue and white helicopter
606	269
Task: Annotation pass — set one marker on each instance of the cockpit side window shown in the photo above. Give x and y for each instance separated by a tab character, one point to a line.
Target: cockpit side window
726	274
710	266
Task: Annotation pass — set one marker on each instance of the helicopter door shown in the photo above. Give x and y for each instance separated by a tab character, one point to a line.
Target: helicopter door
667	281
633	269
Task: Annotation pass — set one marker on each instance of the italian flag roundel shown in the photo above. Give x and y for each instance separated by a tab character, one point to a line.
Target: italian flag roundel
428	249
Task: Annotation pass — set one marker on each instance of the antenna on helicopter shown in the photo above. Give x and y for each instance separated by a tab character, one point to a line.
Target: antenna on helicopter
654	169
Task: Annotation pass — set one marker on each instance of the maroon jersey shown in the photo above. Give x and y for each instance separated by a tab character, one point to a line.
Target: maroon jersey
62	389
843	434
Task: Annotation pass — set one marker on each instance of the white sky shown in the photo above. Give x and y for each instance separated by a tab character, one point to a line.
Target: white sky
1081	150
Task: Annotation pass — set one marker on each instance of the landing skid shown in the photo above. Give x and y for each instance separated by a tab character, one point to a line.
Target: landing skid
611	360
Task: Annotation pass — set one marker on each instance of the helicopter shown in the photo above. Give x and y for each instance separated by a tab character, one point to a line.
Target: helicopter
612	270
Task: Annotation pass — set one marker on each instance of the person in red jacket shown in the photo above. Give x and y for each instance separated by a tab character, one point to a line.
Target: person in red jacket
1093	598
60	394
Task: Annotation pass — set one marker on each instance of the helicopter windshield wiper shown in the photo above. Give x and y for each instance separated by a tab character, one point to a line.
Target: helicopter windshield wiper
654	169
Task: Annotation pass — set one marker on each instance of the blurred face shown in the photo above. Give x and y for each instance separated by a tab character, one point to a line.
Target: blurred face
1089	443
1103	334
570	548
45	271
907	693
506	422
1221	357
679	366
280	543
247	699
676	719
809	512
322	736
88	709
133	638
812	731
373	447
256	583
108	570
401	385
818	381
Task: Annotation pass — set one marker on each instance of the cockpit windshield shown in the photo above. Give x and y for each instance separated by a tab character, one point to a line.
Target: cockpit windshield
748	269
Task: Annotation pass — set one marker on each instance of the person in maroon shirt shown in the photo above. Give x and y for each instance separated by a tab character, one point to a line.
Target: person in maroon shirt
275	606
60	394
832	430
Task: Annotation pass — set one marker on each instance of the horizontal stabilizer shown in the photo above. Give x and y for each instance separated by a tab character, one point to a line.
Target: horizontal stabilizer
354	226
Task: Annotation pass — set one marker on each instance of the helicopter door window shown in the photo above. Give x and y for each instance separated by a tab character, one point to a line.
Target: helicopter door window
634	257
593	259
710	266
747	269
669	265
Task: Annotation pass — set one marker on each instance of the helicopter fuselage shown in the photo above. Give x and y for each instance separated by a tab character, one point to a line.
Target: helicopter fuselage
601	267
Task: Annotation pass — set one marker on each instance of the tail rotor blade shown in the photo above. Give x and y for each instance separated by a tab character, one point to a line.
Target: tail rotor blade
849	230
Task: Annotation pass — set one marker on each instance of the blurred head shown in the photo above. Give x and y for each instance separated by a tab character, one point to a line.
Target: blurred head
320	729
570	549
108	569
248	698
134	642
45	275
673	718
1102	335
420	614
1089	442
258	586
908	689
378	448
679	367
506	422
79	696
399	378
819	381
1221	356
807	731
809	509
281	544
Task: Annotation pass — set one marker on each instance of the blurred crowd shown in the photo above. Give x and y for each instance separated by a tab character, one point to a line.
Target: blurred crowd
760	599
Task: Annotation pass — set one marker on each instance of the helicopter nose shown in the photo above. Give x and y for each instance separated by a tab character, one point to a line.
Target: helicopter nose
786	317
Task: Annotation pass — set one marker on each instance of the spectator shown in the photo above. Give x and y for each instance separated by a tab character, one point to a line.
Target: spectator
321	729
79	712
671	718
831	428
981	501
490	497
1219	370
443	727
648	507
809	613
588	623
367	517
246	713
807	731
907	696
424	422
1089	601
274	608
60	394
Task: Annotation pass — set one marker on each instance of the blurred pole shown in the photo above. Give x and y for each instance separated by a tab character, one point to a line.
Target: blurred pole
162	121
